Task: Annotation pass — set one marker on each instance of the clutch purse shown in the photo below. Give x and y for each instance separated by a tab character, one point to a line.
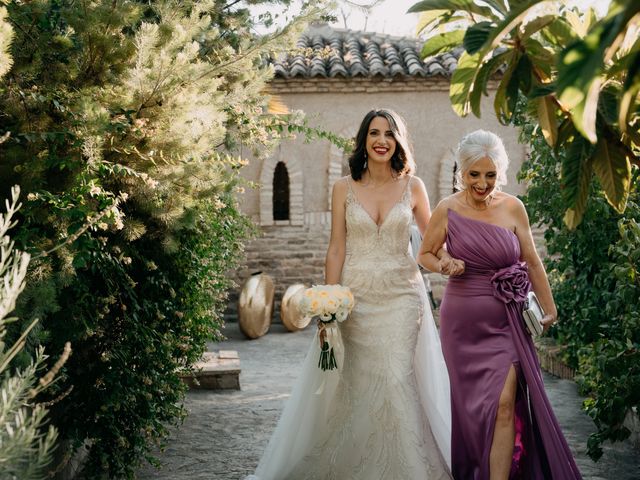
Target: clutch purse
533	315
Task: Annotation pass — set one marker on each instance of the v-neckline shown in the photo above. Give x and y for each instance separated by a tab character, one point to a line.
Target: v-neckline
379	226
369	216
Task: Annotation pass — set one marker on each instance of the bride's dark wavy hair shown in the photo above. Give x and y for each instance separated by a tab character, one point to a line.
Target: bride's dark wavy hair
402	160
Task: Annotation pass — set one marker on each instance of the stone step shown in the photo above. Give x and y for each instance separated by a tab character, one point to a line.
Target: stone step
215	371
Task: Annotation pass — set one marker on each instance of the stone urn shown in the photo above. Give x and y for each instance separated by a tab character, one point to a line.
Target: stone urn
255	305
290	314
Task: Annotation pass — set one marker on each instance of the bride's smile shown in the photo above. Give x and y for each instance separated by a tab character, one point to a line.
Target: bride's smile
381	143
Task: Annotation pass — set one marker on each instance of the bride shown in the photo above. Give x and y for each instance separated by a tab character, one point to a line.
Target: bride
384	414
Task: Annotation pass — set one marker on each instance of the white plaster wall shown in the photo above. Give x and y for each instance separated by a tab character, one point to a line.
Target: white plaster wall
434	128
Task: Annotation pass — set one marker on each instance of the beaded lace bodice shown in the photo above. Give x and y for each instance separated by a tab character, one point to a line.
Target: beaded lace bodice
365	238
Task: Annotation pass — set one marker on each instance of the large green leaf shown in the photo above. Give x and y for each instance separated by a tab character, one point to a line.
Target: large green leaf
566	133
541	90
536	25
442	42
466	5
542	58
613	168
582	65
577	168
482	79
576	162
579	81
559	33
498	5
426	18
624	62
502	104
517	76
632	140
462	83
476	36
584	112
627	106
515	16
580	24
631	88
608	103
523	73
447	22
547	119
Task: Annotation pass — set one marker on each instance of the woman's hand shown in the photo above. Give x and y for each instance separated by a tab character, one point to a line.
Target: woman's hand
322	334
451	266
547	322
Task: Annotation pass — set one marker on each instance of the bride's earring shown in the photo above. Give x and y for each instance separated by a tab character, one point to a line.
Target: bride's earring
364	167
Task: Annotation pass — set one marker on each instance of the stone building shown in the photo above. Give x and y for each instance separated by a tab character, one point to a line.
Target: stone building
361	71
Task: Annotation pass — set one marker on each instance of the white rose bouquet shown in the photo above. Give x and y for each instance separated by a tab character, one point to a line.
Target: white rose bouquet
330	304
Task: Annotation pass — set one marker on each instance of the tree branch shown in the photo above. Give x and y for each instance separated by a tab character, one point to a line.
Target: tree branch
231	4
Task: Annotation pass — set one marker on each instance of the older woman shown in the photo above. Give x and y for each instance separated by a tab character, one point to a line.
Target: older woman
502	422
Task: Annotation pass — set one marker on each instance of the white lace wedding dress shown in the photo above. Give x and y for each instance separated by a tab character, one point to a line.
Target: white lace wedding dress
385	414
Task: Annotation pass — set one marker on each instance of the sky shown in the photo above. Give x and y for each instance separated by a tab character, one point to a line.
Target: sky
390	16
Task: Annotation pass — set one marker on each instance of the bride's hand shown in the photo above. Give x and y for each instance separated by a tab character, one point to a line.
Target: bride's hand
322	335
451	266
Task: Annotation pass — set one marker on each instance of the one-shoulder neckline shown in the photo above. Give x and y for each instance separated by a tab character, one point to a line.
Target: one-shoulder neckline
449	209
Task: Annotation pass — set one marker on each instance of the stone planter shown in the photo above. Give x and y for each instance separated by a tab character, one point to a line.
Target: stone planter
549	355
215	371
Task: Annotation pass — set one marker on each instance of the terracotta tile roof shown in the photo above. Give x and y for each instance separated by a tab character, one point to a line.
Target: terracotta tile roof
324	51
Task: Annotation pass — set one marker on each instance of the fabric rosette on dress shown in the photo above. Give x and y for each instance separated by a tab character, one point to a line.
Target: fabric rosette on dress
330	304
511	284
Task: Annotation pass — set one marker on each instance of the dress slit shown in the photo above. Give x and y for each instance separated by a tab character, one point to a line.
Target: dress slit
478	348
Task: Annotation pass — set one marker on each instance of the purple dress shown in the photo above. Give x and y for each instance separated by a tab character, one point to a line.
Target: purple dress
482	336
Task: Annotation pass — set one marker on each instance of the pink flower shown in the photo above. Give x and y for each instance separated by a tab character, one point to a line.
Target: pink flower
511	284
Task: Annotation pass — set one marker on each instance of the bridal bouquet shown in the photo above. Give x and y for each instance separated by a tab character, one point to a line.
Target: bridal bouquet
330	304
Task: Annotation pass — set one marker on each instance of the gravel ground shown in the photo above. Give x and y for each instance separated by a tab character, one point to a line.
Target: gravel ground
226	432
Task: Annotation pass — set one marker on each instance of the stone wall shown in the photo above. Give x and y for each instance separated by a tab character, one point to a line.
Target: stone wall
289	254
293	250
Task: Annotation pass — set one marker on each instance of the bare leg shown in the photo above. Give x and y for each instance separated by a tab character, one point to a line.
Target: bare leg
504	431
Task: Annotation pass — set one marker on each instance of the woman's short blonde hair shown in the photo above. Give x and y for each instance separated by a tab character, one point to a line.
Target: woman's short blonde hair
475	146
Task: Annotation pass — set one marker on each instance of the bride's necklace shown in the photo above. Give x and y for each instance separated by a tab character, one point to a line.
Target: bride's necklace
487	202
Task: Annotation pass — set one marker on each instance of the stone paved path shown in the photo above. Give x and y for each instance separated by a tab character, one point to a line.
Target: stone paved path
225	433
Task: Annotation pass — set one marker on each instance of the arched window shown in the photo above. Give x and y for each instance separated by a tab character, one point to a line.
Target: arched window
281	192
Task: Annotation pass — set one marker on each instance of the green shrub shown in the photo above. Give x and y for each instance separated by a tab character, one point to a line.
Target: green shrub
594	277
26	443
121	119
